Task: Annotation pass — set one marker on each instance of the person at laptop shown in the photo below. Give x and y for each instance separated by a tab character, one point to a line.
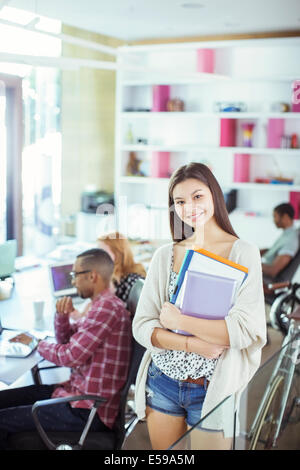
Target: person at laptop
97	349
279	255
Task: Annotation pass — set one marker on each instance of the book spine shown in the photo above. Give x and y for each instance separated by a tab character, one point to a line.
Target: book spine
184	267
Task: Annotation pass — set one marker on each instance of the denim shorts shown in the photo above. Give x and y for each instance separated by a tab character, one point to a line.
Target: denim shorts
174	397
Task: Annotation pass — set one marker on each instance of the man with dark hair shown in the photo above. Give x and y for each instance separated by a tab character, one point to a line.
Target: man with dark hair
276	258
97	349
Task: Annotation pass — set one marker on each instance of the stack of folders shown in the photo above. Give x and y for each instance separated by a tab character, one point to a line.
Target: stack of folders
207	285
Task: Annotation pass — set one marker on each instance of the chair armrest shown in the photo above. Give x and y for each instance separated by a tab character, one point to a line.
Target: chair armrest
277	286
54	366
54	401
35	371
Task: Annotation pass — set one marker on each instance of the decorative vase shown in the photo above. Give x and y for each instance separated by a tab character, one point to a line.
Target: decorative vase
247	134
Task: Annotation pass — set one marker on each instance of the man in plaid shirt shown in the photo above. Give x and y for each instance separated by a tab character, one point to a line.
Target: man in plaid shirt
96	348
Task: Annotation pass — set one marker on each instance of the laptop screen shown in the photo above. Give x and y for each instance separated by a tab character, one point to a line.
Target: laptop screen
61	277
8	253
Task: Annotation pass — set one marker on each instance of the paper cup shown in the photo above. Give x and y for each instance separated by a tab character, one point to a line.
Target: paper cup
38	308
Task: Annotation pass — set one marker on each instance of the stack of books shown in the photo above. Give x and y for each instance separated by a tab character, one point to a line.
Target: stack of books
207	285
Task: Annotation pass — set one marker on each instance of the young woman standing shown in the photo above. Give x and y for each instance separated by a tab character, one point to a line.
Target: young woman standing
182	378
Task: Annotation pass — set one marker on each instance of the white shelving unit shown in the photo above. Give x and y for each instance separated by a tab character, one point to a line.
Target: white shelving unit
199	148
258	73
246	186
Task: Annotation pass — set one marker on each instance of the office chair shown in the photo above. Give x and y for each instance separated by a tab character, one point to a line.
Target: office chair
102	440
134	295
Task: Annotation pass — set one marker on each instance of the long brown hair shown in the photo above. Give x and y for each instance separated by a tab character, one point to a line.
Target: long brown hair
180	230
124	261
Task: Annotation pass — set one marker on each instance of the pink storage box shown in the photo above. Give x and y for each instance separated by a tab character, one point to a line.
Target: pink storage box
274	132
205	60
160	164
227	132
295	202
296	97
241	171
160	97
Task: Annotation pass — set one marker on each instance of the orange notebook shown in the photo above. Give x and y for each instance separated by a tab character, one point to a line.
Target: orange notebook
221	259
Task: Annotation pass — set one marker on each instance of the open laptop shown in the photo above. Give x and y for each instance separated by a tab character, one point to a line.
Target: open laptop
8	253
61	282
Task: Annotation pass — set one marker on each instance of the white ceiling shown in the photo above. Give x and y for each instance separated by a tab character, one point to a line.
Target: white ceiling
145	19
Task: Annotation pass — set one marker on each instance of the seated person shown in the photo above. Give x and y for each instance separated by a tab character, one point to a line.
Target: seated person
97	348
276	258
126	271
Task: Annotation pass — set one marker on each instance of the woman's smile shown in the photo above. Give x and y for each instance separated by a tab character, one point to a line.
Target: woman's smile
195	216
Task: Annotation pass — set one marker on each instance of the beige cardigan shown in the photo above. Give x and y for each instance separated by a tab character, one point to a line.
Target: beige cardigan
246	326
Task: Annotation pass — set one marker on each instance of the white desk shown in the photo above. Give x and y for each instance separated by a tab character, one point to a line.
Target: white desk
18	313
12	369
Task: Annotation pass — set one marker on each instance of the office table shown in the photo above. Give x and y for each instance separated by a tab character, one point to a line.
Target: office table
17	313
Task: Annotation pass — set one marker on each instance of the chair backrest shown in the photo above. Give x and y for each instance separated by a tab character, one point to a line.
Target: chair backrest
137	352
287	273
8	253
134	295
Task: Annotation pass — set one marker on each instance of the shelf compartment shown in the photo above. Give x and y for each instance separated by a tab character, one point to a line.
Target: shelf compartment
244	186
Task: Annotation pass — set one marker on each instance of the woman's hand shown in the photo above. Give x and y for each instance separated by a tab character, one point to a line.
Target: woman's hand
170	316
208	350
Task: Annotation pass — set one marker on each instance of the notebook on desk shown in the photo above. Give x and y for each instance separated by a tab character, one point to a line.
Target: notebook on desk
61	282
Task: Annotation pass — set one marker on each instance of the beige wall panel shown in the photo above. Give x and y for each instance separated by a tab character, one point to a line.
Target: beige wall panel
88	123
